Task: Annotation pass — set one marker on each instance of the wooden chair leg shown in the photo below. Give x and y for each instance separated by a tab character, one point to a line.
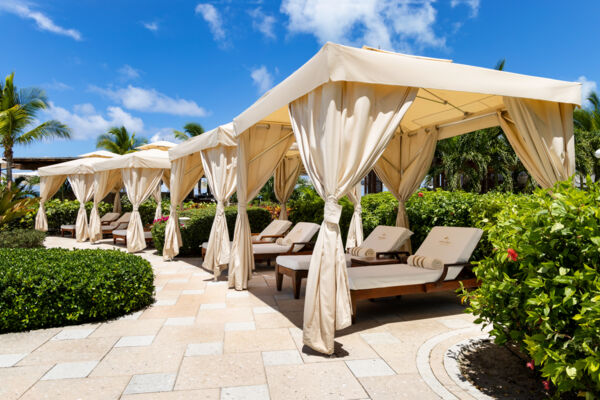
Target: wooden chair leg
353	301
278	278
296	284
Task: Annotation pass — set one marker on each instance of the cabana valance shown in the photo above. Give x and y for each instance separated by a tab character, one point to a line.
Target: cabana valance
350	106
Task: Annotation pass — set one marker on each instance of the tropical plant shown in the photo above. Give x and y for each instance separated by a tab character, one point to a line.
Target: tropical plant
14	205
190	130
18	111
119	141
588	119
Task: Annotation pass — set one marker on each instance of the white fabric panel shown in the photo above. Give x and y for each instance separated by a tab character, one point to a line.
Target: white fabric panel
83	188
139	184
49	185
301	262
386	238
355	230
117	199
451	244
285	179
104	183
73	167
220	136
341	129
150	159
157	195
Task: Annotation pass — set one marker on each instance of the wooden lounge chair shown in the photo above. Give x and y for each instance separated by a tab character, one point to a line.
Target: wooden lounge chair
297	239
109	218
120	235
70	229
120	223
276	229
386	241
453	246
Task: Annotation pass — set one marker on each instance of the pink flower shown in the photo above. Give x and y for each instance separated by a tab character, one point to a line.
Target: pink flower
512	254
420	194
546	385
531	365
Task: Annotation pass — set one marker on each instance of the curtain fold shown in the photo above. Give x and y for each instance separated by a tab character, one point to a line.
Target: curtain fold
220	166
260	149
157	195
285	179
49	185
541	133
185	174
139	184
83	188
355	230
104	183
403	166
341	129
117	199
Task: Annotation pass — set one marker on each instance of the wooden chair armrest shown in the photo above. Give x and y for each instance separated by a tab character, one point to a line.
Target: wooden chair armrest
305	244
255	234
272	236
442	278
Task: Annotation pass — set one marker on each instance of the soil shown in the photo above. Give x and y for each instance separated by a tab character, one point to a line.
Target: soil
499	372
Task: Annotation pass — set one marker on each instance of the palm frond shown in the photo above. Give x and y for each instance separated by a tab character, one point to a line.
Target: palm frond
47	130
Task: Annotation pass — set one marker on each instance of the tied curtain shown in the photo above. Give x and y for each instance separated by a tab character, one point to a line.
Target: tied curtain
285	179
157	194
355	230
117	200
185	174
139	184
104	183
341	129
220	166
541	133
49	185
403	166
83	188
260	149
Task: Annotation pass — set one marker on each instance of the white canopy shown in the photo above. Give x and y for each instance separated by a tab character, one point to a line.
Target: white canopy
99	153
78	166
220	136
152	158
160	145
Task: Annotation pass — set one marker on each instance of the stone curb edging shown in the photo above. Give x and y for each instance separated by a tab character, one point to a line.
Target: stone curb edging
453	370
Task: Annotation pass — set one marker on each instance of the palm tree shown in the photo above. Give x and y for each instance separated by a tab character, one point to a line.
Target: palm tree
190	130
119	141
18	110
588	119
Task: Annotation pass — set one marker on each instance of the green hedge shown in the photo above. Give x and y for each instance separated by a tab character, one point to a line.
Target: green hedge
22	238
42	288
197	229
541	284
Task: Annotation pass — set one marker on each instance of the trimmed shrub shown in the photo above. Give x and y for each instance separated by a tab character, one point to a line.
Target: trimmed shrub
541	285
43	288
22	238
197	229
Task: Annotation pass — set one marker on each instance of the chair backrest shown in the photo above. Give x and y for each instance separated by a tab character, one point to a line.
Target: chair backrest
386	238
451	244
124	218
302	232
109	217
276	227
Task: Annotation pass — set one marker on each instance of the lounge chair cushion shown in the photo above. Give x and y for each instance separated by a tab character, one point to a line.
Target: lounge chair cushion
109	217
386	238
302	262
382	276
67	227
276	227
301	232
450	244
123	232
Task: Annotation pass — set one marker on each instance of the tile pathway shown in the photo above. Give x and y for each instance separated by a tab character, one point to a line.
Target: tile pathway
201	340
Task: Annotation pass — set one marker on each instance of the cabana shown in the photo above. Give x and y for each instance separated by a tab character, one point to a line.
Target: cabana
353	110
141	172
80	173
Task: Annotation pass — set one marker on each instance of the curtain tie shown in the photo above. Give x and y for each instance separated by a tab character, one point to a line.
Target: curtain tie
242	207
220	208
136	208
333	211
82	204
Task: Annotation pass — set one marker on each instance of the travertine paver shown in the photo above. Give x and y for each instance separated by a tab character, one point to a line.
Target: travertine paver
201	340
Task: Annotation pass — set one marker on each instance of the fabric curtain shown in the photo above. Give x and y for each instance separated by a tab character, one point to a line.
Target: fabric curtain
220	166
104	183
541	133
139	184
185	173
49	185
341	129
285	179
157	194
260	149
117	200
83	188
403	166
355	230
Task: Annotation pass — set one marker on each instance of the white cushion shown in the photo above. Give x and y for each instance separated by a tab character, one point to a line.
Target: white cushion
382	276
386	238
276	227
123	232
302	262
67	227
272	248
450	244
302	232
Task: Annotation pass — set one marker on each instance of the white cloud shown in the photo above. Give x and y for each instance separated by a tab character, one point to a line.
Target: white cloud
212	16
263	23
387	24
22	9
262	78
56	85
127	72
472	4
164	134
150	100
587	87
151	26
86	123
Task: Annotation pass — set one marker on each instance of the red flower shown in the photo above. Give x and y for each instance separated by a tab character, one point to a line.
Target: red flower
531	365
546	385
512	254
420	194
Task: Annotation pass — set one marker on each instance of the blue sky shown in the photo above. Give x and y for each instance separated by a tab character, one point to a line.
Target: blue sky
155	65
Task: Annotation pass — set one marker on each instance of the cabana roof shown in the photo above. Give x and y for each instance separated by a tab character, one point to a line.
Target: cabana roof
159	145
449	93
220	136
152	159
99	153
79	166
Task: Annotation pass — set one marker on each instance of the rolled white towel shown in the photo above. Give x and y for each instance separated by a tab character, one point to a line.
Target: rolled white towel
362	252
425	262
283	242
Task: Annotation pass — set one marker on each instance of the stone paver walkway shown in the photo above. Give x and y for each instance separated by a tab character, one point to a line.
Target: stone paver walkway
201	340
